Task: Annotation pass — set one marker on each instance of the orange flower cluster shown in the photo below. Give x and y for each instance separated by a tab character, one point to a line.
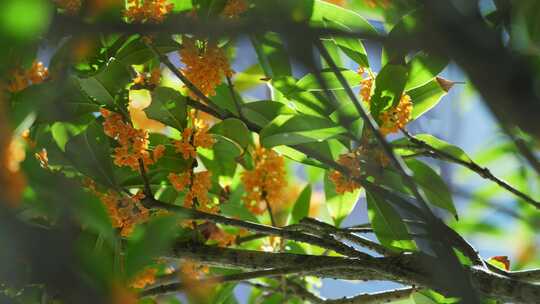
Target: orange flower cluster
397	117
343	183
375	3
147	80
152	11
197	185
214	233
337	2
71	7
190	274
43	158
145	277
12	181
194	137
133	142
234	8
365	91
125	212
265	182
22	79
204	66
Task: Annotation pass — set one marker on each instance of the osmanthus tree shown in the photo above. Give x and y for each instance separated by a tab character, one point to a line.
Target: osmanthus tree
135	168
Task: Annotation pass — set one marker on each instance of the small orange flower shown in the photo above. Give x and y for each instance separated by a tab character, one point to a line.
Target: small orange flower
337	2
342	183
21	79
125	212
265	182
194	137
146	277
234	8
43	158
133	143
151	11
397	117
198	185
375	3
12	153
190	274
205	65
71	7
365	91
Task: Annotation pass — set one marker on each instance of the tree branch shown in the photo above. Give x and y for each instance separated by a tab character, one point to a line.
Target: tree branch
471	165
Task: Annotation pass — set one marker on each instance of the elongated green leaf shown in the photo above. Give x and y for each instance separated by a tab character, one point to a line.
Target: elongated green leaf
423	68
387	224
301	206
272	55
263	111
425	97
310	103
103	86
298	129
169	107
404	148
389	85
310	82
339	205
89	152
322	10
136	52
233	129
158	235
434	187
353	48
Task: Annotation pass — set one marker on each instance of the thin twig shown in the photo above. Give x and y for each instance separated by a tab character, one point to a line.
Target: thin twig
471	165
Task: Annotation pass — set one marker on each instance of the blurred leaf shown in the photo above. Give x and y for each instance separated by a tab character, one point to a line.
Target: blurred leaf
158	235
301	206
225	294
24	20
322	10
89	152
339	205
298	129
433	185
310	82
263	111
310	103
233	129
169	107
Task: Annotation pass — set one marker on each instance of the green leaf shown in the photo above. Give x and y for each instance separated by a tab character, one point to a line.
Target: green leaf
157	237
263	111
387	224
404	148
425	97
298	129
169	107
339	205
225	294
310	82
301	206
389	85
225	100
273	57
233	129
136	52
103	86
353	48
221	159
423	68
89	152
347	116
310	103
322	10
433	185
407	25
